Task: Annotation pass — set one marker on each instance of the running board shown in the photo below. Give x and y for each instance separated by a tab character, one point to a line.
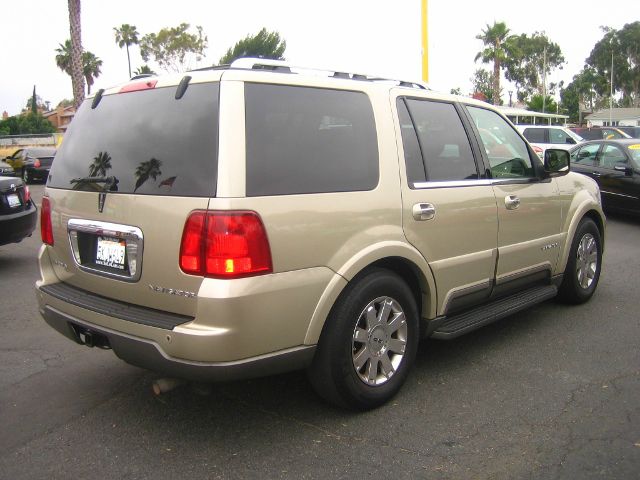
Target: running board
452	327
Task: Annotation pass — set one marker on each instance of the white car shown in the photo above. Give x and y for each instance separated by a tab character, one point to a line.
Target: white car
542	137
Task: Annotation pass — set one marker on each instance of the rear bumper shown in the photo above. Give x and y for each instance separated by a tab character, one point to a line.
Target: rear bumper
15	227
148	354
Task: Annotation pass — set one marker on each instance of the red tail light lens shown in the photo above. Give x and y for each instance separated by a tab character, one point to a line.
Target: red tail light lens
225	245
37	163
46	229
27	194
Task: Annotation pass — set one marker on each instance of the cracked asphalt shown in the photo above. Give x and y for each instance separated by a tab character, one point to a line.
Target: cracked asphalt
553	393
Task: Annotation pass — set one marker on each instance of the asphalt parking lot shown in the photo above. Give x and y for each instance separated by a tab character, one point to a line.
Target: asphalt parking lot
553	393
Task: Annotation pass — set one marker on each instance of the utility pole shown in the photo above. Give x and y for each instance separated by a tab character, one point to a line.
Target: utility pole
544	79
425	43
611	94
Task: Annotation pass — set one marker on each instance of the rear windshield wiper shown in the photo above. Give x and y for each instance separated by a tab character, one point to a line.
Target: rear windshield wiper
110	183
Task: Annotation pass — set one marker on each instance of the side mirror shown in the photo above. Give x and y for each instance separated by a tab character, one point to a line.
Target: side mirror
556	162
623	167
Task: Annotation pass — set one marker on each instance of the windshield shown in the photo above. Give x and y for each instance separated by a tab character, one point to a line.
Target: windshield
145	142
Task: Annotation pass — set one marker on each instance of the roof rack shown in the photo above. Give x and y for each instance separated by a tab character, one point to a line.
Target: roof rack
281	66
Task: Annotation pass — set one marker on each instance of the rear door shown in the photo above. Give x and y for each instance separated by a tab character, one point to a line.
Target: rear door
130	170
619	184
449	208
529	208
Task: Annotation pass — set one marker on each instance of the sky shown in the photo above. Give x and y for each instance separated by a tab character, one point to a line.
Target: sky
378	37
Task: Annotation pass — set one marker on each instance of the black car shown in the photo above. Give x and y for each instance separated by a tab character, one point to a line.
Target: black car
32	163
18	213
6	170
615	165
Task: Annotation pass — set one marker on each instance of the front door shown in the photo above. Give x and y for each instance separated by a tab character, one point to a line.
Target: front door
529	208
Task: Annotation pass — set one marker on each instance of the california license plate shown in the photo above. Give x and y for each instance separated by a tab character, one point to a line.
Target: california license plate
14	200
110	252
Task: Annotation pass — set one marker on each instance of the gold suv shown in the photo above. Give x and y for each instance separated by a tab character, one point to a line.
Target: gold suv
251	220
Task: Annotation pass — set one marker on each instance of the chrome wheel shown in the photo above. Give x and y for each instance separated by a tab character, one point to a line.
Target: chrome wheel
586	260
379	341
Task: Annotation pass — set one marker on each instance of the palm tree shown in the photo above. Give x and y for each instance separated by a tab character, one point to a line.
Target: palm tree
75	69
144	70
101	163
90	68
126	35
496	42
90	63
146	170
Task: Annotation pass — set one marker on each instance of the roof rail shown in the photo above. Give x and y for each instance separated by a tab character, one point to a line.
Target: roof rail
285	67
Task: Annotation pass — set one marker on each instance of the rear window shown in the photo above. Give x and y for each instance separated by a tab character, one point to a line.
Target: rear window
534	135
147	141
309	140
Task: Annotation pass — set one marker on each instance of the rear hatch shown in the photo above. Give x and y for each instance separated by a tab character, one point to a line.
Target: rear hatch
132	166
13	196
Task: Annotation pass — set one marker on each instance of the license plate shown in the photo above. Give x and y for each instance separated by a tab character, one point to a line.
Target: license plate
14	200
111	253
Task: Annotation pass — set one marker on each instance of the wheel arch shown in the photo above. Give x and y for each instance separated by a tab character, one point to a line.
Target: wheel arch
585	211
399	258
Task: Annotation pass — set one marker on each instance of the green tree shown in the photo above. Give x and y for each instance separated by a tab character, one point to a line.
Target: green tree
126	36
263	44
483	83
622	48
75	58
144	70
173	48
90	63
536	104
496	48
26	124
530	59
35	102
456	91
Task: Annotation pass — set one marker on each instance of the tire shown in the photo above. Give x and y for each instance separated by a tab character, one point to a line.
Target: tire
26	178
369	342
583	265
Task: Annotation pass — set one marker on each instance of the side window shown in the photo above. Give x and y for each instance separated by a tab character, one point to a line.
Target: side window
586	155
309	140
507	152
611	155
412	154
443	141
534	135
557	136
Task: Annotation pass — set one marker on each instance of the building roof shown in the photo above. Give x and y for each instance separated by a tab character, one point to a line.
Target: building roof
616	114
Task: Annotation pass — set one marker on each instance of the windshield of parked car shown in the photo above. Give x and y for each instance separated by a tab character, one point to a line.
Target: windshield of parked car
634	150
145	142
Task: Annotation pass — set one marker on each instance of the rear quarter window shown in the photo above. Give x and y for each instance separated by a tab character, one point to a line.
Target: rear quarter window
308	140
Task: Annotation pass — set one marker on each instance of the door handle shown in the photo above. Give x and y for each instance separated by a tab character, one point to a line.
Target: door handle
511	202
423	211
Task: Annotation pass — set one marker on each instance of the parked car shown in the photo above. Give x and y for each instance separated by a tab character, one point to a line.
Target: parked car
633	132
17	211
600	133
32	163
6	170
549	136
268	221
615	165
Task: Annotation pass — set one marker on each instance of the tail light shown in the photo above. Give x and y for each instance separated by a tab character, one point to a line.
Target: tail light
538	151
225	245
46	229
27	194
37	163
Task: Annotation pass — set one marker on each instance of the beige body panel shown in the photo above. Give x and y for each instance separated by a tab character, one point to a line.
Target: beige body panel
528	236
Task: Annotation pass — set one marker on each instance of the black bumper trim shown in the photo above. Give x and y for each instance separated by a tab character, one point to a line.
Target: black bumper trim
148	354
114	308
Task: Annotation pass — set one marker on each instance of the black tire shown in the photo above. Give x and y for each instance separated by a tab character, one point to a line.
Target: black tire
581	275
334	374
